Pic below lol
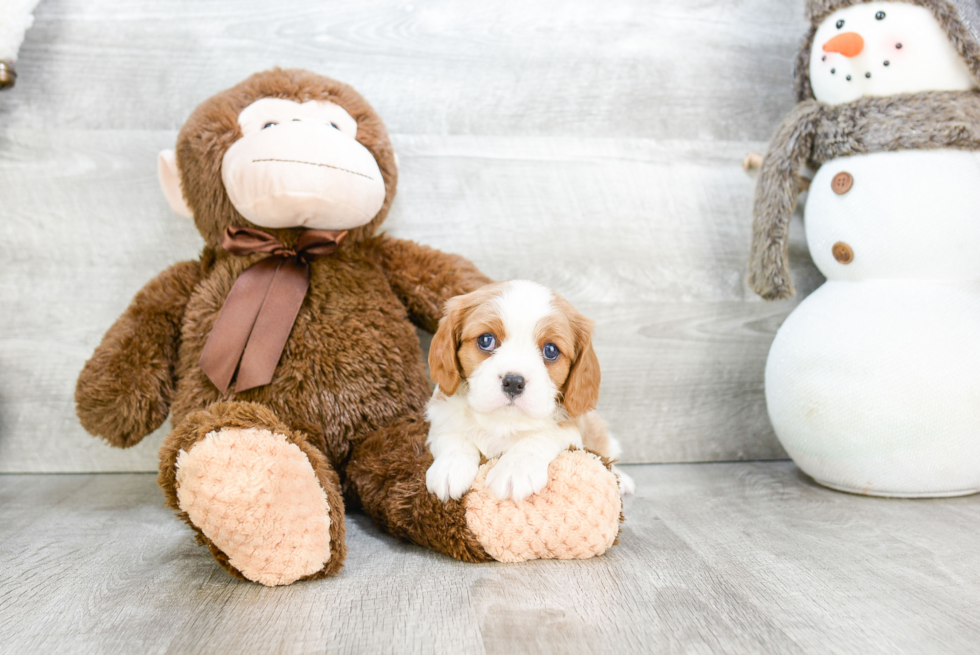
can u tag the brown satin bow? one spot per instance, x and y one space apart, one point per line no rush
258 315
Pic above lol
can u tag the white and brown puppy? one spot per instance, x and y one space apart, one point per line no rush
517 378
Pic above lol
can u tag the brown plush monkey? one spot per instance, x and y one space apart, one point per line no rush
287 357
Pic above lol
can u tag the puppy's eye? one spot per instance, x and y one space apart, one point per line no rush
550 351
334 126
486 342
880 15
269 124
840 24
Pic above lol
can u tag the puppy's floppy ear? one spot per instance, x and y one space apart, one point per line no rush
582 385
444 367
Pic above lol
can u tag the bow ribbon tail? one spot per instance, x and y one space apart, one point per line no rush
232 328
254 323
276 316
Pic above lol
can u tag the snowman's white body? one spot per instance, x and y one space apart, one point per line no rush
873 382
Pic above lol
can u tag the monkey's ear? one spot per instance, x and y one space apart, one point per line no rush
170 181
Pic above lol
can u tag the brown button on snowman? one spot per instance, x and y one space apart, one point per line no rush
873 382
842 183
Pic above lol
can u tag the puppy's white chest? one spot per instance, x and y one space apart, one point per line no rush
495 435
493 445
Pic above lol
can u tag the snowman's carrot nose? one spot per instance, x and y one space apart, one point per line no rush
849 44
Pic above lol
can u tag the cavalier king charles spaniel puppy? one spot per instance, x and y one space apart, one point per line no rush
517 379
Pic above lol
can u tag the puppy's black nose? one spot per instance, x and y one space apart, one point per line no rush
513 385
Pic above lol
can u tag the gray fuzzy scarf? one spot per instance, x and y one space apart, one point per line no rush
814 133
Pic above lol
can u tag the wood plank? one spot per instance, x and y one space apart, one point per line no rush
713 558
627 68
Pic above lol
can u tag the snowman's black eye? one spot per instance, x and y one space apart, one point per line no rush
269 124
840 24
880 15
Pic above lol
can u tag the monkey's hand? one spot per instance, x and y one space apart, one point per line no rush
425 278
124 391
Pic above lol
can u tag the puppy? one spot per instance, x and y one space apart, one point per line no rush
516 378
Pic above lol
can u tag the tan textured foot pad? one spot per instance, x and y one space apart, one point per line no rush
256 497
575 517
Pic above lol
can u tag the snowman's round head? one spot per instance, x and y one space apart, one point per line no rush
867 48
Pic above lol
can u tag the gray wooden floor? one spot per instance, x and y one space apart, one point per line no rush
714 558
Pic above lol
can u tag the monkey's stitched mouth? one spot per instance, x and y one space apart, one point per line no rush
313 163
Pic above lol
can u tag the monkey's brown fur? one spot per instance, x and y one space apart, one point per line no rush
350 385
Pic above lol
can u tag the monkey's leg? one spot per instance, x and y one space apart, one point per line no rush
262 498
575 517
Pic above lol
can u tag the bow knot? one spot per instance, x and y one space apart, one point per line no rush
253 325
311 245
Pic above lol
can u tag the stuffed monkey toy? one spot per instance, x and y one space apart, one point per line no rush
873 382
287 356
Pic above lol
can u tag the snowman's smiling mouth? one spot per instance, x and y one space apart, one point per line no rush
850 45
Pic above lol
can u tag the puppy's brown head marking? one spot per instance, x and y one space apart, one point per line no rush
456 353
580 388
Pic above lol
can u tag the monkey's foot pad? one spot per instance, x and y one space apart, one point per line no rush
255 496
576 516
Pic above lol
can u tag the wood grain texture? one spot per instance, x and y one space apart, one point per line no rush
594 148
713 558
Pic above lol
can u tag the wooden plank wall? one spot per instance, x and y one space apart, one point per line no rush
592 146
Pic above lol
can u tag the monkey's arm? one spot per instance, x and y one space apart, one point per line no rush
425 278
775 199
124 391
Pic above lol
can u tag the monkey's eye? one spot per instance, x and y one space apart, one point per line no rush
334 126
880 15
269 124
840 24
550 351
486 342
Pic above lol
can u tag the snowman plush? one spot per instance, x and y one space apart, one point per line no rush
15 19
873 382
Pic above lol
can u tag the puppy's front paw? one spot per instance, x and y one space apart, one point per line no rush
518 477
626 484
451 475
